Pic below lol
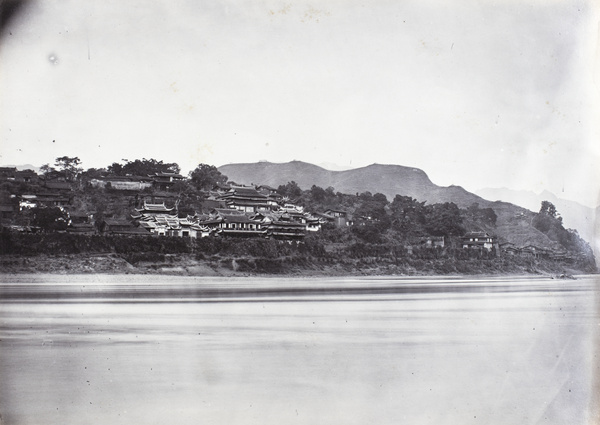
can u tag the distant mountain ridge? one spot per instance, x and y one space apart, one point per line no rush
387 179
23 167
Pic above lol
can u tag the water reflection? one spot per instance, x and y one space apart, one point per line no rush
249 351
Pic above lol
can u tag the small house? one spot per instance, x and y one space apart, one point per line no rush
165 181
532 251
6 212
479 240
340 218
121 227
432 242
509 248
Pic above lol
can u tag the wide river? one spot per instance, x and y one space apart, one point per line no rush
183 350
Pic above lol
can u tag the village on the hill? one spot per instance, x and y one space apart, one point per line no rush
226 210
151 198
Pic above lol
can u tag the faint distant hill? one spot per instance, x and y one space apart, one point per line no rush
387 179
575 215
24 167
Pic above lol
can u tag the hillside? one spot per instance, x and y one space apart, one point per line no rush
386 237
575 215
387 179
514 223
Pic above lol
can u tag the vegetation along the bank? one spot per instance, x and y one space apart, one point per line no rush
143 216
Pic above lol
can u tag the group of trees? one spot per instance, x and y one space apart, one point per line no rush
549 222
376 218
373 213
203 177
70 166
142 167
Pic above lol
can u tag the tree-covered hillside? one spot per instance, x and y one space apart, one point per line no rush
378 225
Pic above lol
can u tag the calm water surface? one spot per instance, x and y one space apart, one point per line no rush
181 350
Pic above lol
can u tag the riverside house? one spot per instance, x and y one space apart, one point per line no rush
233 222
509 248
479 240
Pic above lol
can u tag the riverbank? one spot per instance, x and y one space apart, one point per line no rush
191 265
76 254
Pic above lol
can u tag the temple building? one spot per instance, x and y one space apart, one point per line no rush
153 210
248 199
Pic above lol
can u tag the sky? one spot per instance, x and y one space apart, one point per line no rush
475 93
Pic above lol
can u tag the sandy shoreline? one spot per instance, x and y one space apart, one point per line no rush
249 279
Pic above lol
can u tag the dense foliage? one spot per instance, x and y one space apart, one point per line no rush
382 230
49 219
71 166
205 177
142 167
549 222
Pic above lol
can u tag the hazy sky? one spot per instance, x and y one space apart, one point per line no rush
475 93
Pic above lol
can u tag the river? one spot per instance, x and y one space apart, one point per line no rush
181 350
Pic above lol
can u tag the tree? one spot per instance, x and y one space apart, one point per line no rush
71 166
549 209
93 173
548 219
473 210
380 198
369 232
50 218
116 169
142 167
443 220
182 186
372 207
489 215
205 177
549 222
46 169
291 190
408 215
317 193
486 215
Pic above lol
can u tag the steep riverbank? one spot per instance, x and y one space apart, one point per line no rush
70 254
190 265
